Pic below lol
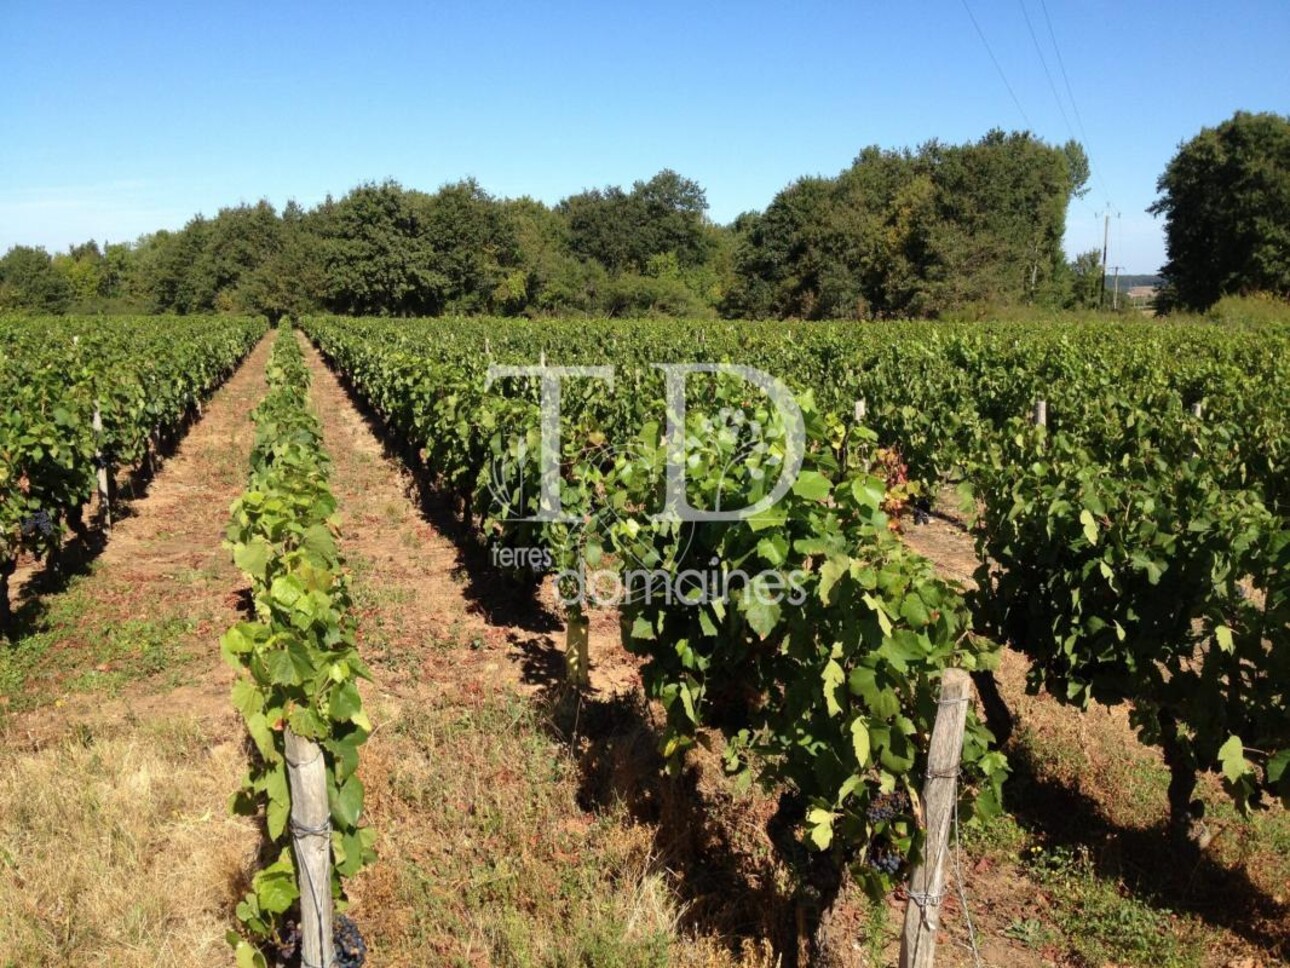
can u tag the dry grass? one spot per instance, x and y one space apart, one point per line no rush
119 850
488 857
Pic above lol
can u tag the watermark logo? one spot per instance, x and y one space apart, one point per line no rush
677 506
688 586
514 494
551 380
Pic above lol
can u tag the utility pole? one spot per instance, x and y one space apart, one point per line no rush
1115 299
1106 245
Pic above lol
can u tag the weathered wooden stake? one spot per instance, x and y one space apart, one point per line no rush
576 657
862 409
940 791
1041 413
105 500
1198 409
311 840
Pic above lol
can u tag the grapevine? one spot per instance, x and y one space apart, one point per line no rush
145 376
297 660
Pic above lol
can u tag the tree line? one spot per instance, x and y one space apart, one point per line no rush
942 229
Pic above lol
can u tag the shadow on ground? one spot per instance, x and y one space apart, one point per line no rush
1147 860
726 890
500 599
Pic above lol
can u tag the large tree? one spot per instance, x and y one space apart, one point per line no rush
241 239
474 247
28 280
624 230
903 233
1226 201
290 280
376 256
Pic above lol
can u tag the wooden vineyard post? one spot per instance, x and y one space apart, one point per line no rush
1198 409
940 793
311 840
1041 413
862 409
1040 418
105 501
576 657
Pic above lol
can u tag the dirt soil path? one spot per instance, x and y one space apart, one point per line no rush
445 598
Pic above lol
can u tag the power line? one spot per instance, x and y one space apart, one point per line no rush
1096 172
997 67
1052 85
1070 92
1043 4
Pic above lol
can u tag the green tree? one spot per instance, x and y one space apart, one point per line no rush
118 266
153 281
473 244
28 280
671 212
82 265
180 280
1002 213
290 281
376 255
238 242
604 226
1084 280
549 278
903 233
624 230
1225 197
791 261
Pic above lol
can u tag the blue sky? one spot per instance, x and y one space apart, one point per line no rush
120 119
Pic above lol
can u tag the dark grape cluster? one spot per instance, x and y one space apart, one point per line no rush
883 858
887 806
922 511
106 458
288 944
39 524
351 950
